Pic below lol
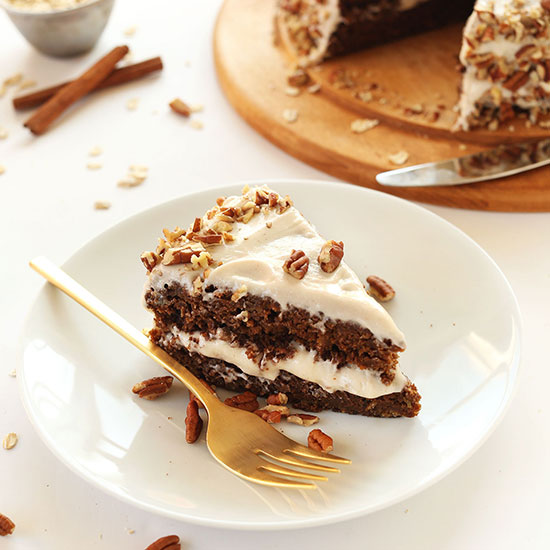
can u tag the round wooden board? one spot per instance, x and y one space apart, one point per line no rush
252 72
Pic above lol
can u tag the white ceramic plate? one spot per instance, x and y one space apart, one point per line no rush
454 305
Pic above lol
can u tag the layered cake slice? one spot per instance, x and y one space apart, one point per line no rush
251 297
506 57
320 29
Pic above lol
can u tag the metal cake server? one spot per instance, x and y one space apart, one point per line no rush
505 160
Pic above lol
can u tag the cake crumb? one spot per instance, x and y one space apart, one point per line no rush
102 205
292 91
360 125
290 115
401 157
10 441
132 104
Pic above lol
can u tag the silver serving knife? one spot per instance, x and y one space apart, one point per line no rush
505 160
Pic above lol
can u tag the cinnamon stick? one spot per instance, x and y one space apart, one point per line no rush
118 76
64 98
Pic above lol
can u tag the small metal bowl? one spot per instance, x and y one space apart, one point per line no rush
62 33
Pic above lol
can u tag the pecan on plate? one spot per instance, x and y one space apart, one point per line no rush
193 422
380 289
180 107
153 387
331 255
6 525
319 441
193 397
303 419
297 264
277 399
171 542
246 401
271 417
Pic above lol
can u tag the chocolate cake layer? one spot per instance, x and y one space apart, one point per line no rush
260 325
302 394
363 27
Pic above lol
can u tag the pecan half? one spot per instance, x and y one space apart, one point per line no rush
246 401
303 419
150 260
331 255
277 399
271 417
171 542
319 441
193 397
153 387
380 289
297 264
193 422
516 80
6 525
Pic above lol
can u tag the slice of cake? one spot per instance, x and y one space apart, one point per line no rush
251 297
506 56
320 29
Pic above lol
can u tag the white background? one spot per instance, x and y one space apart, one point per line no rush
497 499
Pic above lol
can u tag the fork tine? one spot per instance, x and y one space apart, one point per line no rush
287 459
258 476
301 450
277 469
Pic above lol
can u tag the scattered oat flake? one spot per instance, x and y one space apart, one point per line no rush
132 104
12 373
401 157
197 124
197 108
462 147
383 101
365 96
290 115
3 133
10 441
26 84
314 88
2 169
102 205
292 91
130 31
361 125
131 531
137 174
94 165
95 151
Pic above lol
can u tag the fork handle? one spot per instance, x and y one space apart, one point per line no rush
85 298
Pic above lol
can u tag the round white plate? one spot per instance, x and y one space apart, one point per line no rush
457 310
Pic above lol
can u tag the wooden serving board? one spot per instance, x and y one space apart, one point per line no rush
419 70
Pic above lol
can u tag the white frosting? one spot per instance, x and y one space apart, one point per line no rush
255 259
352 379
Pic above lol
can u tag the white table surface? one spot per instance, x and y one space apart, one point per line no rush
497 499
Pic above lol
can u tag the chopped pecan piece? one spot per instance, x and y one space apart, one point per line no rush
273 199
172 236
171 542
211 238
516 80
150 260
193 422
380 289
277 399
197 225
246 401
261 197
331 255
297 264
319 441
303 419
6 525
193 397
180 107
182 254
271 417
153 387
277 408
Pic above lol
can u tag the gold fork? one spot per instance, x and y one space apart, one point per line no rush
239 440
